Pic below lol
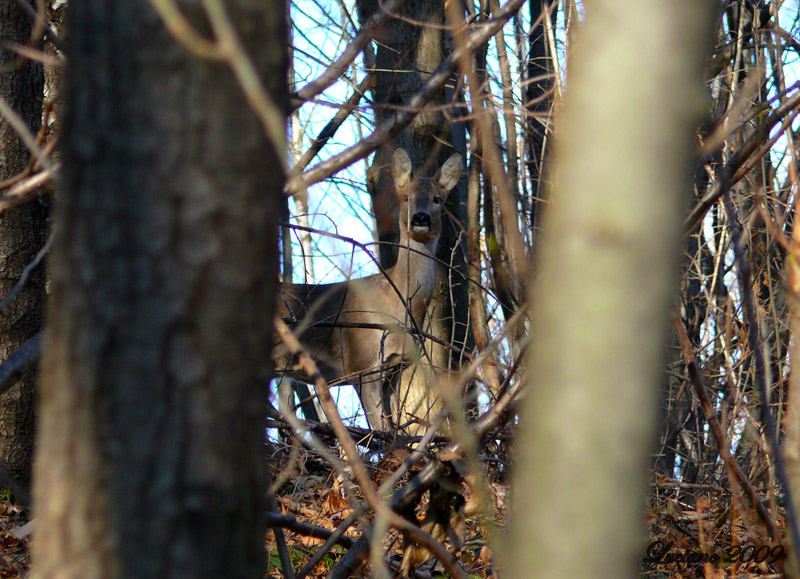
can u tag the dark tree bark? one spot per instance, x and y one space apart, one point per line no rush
154 377
22 233
537 103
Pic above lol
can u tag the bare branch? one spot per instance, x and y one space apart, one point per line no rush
183 32
13 367
270 114
733 467
759 347
390 128
38 20
26 273
339 66
333 125
24 133
357 466
22 190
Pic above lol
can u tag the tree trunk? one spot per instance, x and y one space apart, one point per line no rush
409 48
608 255
22 233
155 372
540 82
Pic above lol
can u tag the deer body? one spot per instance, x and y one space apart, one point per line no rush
326 316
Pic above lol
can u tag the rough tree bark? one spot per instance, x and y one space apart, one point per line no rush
154 377
22 234
608 259
409 48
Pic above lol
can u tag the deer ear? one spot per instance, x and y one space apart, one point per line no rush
401 167
448 175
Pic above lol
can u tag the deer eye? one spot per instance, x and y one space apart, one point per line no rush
437 200
404 198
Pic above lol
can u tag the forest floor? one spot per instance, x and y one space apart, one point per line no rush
694 530
697 530
14 558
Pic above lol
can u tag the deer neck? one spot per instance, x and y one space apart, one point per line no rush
415 270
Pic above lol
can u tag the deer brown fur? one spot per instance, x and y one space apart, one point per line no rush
326 316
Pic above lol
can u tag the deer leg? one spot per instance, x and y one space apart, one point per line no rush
371 402
376 399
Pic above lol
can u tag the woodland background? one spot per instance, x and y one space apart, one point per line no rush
163 164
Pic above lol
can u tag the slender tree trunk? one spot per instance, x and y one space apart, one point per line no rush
154 378
608 258
22 233
538 103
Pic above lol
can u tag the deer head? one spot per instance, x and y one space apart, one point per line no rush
421 199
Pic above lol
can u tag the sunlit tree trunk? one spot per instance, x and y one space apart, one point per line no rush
608 263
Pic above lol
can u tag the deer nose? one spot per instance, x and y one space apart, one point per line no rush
420 219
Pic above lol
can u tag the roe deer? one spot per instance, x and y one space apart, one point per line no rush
326 317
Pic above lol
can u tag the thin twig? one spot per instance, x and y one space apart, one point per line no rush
20 191
730 463
24 132
396 328
25 356
759 347
403 298
333 538
333 125
26 273
738 159
290 522
339 66
269 113
492 163
372 439
34 55
359 470
304 437
365 247
280 540
477 301
183 32
435 470
38 20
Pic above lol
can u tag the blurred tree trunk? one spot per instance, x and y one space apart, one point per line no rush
22 234
155 373
608 258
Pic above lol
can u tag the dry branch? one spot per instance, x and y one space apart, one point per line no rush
720 440
390 128
759 347
337 68
357 466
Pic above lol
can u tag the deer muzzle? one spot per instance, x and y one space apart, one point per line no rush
421 222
